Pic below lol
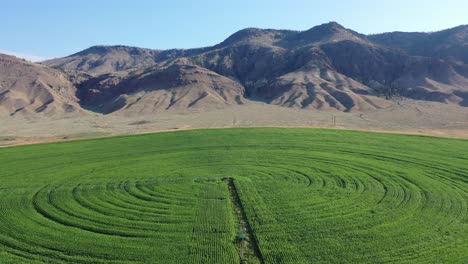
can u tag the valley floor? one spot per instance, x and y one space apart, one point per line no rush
405 116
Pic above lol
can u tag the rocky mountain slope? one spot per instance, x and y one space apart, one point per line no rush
327 67
28 88
450 44
160 88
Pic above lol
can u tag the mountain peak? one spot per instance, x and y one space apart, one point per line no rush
332 25
328 32
256 35
243 34
104 49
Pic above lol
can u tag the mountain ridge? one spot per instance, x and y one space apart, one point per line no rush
327 67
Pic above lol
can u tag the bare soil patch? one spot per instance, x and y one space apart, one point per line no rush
405 117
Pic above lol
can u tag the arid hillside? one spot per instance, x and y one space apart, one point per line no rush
327 67
28 89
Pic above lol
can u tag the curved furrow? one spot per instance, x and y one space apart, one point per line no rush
308 196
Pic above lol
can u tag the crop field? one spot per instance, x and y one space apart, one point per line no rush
246 195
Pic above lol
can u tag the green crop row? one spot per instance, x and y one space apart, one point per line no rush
308 196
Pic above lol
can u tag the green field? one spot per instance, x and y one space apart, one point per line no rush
298 195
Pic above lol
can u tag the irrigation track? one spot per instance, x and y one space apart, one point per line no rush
243 221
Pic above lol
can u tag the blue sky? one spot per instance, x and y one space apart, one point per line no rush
55 28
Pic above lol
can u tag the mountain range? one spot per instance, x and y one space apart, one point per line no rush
327 67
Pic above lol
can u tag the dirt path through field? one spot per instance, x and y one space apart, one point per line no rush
247 245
